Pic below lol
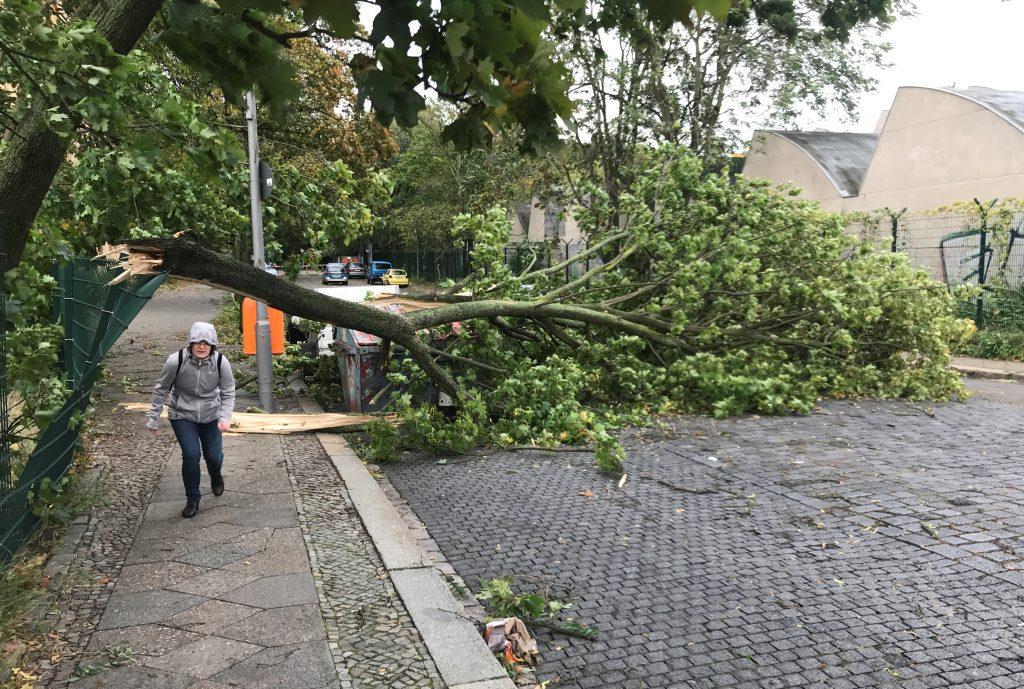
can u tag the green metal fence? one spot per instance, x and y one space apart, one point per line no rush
94 315
6 475
430 265
983 249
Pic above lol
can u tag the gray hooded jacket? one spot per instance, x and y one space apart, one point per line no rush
200 392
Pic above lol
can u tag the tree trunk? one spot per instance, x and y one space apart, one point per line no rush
189 260
35 153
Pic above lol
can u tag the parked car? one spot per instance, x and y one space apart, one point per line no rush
334 274
356 269
376 271
395 276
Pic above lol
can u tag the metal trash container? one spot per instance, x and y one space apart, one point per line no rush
360 364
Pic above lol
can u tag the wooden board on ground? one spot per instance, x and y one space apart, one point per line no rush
244 422
408 304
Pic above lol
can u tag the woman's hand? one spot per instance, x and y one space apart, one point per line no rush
223 425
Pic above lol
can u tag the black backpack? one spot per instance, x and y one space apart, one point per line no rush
181 360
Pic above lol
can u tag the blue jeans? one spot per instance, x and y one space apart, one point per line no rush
192 436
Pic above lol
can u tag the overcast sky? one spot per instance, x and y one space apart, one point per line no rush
961 42
946 43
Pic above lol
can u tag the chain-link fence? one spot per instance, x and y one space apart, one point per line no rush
983 249
94 315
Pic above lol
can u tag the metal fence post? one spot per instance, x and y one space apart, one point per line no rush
979 319
895 219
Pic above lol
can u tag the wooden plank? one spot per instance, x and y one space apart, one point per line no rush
244 422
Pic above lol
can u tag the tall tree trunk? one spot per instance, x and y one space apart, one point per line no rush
35 153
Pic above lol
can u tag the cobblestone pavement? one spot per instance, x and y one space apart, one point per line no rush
867 544
230 598
369 631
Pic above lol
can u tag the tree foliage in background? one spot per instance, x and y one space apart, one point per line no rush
637 84
434 181
62 72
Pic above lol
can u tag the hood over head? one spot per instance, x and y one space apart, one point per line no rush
202 332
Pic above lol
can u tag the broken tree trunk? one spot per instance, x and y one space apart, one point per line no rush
188 260
185 259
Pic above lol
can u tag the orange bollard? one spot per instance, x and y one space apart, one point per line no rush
276 319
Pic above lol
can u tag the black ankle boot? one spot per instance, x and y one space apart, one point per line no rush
217 484
191 509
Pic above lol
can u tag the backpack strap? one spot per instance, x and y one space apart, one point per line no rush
181 360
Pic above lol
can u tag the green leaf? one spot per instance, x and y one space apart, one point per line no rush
453 38
718 9
342 15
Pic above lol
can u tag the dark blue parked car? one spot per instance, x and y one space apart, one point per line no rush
334 274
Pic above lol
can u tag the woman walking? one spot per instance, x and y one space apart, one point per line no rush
202 397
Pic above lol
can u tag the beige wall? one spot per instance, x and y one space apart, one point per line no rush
934 148
938 147
780 160
535 231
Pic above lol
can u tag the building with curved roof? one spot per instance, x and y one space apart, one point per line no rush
934 146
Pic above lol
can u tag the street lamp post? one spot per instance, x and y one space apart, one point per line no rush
264 361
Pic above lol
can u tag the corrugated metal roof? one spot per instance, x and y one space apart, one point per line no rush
1007 104
843 156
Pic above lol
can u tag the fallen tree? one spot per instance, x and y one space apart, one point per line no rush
713 297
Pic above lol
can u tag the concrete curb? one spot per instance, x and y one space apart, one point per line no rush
990 373
456 647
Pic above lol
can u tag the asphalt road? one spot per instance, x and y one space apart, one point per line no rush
311 280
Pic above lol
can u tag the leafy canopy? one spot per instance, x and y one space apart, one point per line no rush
717 297
434 181
491 57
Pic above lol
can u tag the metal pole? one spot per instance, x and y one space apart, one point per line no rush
264 362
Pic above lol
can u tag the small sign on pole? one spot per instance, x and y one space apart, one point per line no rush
266 180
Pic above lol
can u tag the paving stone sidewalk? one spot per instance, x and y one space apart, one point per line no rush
231 599
275 584
873 544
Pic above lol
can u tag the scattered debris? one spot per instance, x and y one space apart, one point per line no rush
510 639
930 529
